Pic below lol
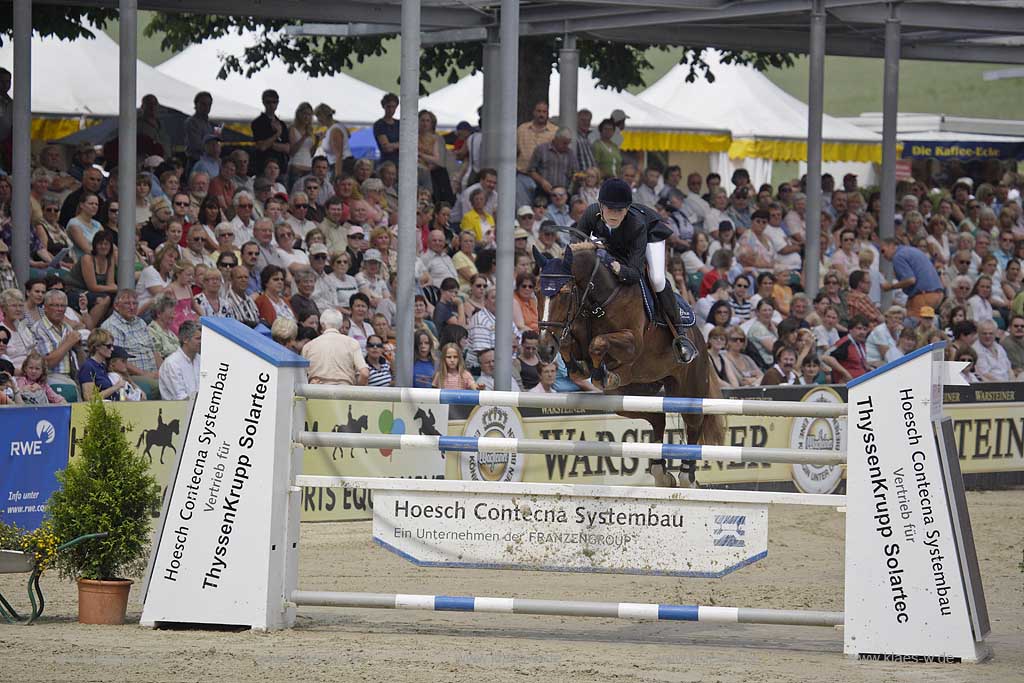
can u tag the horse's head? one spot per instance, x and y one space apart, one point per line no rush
556 284
173 426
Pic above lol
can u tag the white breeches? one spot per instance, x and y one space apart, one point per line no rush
656 265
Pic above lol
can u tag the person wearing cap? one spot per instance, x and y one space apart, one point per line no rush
324 294
269 134
547 240
209 160
530 135
635 235
553 163
618 117
526 220
882 339
370 279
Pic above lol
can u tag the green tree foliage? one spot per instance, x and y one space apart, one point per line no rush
66 23
107 487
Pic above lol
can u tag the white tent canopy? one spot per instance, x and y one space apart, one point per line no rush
745 101
80 77
356 102
466 95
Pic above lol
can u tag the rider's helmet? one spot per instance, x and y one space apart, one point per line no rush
615 194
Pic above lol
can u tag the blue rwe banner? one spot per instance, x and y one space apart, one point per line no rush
33 446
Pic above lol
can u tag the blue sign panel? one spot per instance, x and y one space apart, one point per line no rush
33 446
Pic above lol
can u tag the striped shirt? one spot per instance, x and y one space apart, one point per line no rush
242 308
133 335
741 310
48 337
380 376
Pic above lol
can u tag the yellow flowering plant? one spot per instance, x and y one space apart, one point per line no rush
41 543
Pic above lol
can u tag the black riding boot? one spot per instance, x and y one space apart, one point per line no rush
684 349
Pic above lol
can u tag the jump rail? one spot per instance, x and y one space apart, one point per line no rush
575 401
569 608
633 449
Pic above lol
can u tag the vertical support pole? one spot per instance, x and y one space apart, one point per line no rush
127 156
568 75
407 146
492 101
507 186
815 109
890 108
22 138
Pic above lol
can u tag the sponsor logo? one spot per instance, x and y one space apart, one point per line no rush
489 465
818 434
729 531
45 434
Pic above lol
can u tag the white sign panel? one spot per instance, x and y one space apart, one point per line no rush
496 530
215 556
904 591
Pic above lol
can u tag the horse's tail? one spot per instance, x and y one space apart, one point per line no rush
142 436
712 427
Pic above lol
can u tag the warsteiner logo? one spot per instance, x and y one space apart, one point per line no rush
490 465
818 434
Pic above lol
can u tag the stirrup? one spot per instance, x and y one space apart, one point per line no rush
684 349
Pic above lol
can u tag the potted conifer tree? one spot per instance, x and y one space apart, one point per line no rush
106 487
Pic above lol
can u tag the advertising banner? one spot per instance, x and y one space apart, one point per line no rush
639 534
33 447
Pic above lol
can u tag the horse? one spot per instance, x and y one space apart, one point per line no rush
162 435
598 323
353 426
427 422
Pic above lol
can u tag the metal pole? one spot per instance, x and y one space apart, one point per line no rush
21 160
815 108
126 156
407 146
890 108
568 73
492 101
507 183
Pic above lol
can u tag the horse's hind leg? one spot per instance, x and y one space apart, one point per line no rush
658 468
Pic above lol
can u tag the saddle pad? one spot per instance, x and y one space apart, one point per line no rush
686 315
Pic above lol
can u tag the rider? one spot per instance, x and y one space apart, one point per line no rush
633 233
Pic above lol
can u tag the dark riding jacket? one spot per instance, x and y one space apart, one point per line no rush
628 242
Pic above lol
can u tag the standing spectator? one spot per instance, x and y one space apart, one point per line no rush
301 143
130 331
993 362
334 145
335 358
535 132
58 344
607 155
553 164
179 373
915 275
198 126
270 135
386 130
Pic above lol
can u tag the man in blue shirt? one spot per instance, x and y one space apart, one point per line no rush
915 275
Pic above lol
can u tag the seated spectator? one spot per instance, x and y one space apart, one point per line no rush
343 284
185 307
285 332
858 300
380 370
371 281
210 301
850 351
131 332
782 371
84 226
827 333
156 279
423 360
179 373
307 313
436 263
993 363
477 220
720 315
810 371
546 376
117 371
32 387
451 372
464 261
273 302
881 342
485 381
1013 343
360 328
195 251
21 340
717 341
526 367
547 241
449 309
763 331
524 304
93 375
335 358
58 344
237 301
969 373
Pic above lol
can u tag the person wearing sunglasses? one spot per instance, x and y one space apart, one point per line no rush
380 370
53 242
92 376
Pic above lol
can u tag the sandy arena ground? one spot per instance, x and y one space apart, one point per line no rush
803 570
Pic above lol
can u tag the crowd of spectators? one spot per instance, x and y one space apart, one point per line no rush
294 233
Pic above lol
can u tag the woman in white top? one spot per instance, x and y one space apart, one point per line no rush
980 300
343 284
155 279
334 146
696 259
300 135
716 214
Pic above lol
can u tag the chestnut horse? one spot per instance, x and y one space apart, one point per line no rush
595 321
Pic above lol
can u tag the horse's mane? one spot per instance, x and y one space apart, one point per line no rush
577 247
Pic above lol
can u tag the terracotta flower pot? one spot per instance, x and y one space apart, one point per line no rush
103 602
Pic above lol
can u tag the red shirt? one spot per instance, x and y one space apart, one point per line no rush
851 356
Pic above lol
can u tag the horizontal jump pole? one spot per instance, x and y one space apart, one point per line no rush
631 449
568 608
595 491
575 401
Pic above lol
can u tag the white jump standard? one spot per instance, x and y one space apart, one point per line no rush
227 546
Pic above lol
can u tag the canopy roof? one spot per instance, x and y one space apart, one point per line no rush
649 127
72 78
765 120
356 102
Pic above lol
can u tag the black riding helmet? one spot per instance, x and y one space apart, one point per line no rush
615 194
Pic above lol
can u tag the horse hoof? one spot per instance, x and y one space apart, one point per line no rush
662 477
612 382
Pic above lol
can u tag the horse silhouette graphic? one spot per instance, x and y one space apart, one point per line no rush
353 426
427 421
162 435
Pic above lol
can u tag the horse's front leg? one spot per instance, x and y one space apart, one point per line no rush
613 354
